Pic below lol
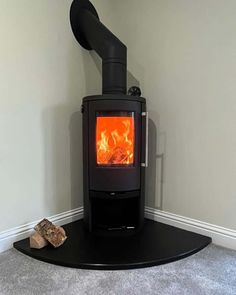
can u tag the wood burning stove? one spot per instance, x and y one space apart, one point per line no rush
114 134
114 137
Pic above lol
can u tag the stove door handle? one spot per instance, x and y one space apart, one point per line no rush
145 164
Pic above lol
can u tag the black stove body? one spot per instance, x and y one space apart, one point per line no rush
114 134
113 193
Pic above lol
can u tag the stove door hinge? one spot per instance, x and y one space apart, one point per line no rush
82 109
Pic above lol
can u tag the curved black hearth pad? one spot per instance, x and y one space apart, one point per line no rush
157 243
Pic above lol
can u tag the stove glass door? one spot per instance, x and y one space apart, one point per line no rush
115 138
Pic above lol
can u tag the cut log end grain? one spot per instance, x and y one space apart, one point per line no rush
37 241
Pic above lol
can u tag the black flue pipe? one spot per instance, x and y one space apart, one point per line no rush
92 34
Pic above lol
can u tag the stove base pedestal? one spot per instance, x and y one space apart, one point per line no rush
155 244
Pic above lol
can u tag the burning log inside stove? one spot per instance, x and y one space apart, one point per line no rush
119 155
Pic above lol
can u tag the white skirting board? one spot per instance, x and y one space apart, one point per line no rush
8 237
220 236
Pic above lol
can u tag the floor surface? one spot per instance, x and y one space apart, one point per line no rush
210 271
157 243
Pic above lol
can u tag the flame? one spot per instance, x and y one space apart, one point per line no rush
115 140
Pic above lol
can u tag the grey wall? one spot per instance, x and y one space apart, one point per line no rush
183 53
42 80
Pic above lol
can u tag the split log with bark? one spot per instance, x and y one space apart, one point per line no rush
47 232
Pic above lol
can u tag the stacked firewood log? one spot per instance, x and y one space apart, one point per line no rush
47 233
